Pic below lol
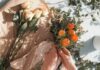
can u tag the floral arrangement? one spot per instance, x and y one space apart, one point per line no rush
65 29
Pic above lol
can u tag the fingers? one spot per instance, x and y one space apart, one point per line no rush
66 59
66 51
61 53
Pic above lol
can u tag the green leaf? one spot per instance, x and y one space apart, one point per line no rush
4 63
32 23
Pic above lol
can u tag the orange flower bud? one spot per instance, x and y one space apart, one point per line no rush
74 38
65 42
70 26
71 32
61 32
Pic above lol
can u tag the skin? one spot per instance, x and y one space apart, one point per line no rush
51 59
66 59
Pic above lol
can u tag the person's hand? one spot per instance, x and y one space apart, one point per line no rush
12 3
66 59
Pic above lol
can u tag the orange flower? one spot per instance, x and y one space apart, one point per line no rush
74 38
71 32
61 32
70 26
65 42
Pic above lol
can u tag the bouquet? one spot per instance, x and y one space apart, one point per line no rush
65 29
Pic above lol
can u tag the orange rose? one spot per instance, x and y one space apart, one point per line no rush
74 38
70 26
71 32
65 42
61 32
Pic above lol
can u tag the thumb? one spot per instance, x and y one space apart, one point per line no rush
61 54
66 51
66 59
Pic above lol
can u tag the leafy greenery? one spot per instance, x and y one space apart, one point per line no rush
60 21
4 63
